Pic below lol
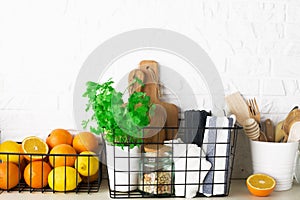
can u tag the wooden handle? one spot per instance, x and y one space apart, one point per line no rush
134 86
151 71
237 105
270 132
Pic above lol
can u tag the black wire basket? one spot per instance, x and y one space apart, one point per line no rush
177 170
83 184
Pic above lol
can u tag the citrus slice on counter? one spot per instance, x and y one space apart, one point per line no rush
35 147
260 184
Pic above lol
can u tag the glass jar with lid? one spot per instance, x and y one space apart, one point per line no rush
157 170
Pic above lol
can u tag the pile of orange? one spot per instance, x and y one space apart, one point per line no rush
42 157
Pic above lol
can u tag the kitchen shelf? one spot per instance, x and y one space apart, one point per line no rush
238 191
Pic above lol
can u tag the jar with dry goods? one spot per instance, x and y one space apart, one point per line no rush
157 170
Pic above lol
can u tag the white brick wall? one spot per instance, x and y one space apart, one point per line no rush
255 46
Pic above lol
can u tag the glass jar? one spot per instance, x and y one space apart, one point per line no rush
157 170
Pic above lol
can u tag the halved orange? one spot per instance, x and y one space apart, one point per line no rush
260 184
35 147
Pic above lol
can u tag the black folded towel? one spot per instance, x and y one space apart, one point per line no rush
195 121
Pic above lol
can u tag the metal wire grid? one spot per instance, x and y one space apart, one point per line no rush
175 130
22 186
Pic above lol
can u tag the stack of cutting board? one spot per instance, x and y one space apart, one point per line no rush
164 123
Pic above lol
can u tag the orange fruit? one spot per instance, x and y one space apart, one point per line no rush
9 175
59 136
85 141
260 184
22 166
34 145
36 174
59 155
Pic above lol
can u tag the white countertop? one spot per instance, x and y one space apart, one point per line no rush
238 191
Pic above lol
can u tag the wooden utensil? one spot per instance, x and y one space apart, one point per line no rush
269 130
251 129
150 69
238 107
263 137
254 110
293 116
279 133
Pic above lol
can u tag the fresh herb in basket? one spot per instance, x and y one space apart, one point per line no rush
121 123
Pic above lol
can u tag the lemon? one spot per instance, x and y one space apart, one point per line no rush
63 178
8 147
87 165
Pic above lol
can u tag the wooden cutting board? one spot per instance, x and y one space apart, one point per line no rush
134 86
238 106
151 72
154 132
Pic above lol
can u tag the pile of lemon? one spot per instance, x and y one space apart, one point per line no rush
61 162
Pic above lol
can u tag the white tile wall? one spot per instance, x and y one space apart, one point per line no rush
255 45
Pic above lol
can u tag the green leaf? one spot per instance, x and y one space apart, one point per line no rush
122 122
84 123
